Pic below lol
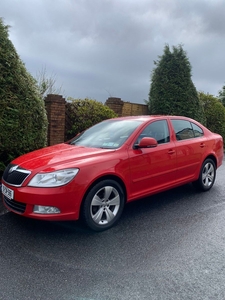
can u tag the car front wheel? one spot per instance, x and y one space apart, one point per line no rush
103 205
207 175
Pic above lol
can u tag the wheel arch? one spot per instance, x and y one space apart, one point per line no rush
211 156
110 177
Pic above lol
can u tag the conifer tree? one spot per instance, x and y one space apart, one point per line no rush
172 91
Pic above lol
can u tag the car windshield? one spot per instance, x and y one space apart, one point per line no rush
110 134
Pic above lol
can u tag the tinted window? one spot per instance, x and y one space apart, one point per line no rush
186 130
158 130
183 129
197 130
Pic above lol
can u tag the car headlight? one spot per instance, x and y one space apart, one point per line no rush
53 179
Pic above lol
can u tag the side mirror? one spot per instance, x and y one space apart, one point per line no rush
147 142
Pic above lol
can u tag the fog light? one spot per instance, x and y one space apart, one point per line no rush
39 209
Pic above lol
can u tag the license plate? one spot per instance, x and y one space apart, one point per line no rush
7 192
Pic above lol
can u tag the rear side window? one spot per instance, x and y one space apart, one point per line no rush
186 130
197 130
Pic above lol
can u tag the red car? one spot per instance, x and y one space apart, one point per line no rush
114 162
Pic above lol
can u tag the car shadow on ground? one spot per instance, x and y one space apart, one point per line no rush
135 210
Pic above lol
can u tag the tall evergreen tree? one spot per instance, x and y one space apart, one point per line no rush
23 120
172 90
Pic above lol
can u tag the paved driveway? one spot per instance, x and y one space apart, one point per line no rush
170 246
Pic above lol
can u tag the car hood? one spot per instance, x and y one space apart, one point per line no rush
53 157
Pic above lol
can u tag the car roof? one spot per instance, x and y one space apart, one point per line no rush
152 117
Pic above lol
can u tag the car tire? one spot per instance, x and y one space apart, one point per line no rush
207 176
103 205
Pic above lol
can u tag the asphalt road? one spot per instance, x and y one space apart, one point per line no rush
170 246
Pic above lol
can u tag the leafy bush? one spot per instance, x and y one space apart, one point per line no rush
214 113
23 120
83 113
172 91
222 95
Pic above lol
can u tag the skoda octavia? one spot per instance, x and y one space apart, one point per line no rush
114 162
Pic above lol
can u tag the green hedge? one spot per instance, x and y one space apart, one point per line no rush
23 120
83 113
214 113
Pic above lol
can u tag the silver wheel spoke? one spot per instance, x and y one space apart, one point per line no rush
206 181
204 175
210 170
208 174
108 191
98 216
210 177
109 214
96 201
114 201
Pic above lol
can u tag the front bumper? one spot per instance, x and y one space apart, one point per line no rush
25 198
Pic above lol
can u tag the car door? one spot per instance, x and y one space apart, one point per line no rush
153 169
191 146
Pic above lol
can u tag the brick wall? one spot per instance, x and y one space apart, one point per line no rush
134 109
116 104
55 108
126 108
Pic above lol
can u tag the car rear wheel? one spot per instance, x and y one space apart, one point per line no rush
103 205
207 175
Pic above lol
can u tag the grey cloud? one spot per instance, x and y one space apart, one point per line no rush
101 48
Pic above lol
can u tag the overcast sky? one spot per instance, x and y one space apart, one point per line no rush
103 48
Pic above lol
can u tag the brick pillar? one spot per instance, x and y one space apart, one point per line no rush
55 108
116 104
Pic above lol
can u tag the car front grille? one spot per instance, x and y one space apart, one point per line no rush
14 175
15 205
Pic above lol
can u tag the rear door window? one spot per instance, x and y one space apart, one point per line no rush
197 130
185 130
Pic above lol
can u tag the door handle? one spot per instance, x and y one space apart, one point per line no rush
171 151
202 145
